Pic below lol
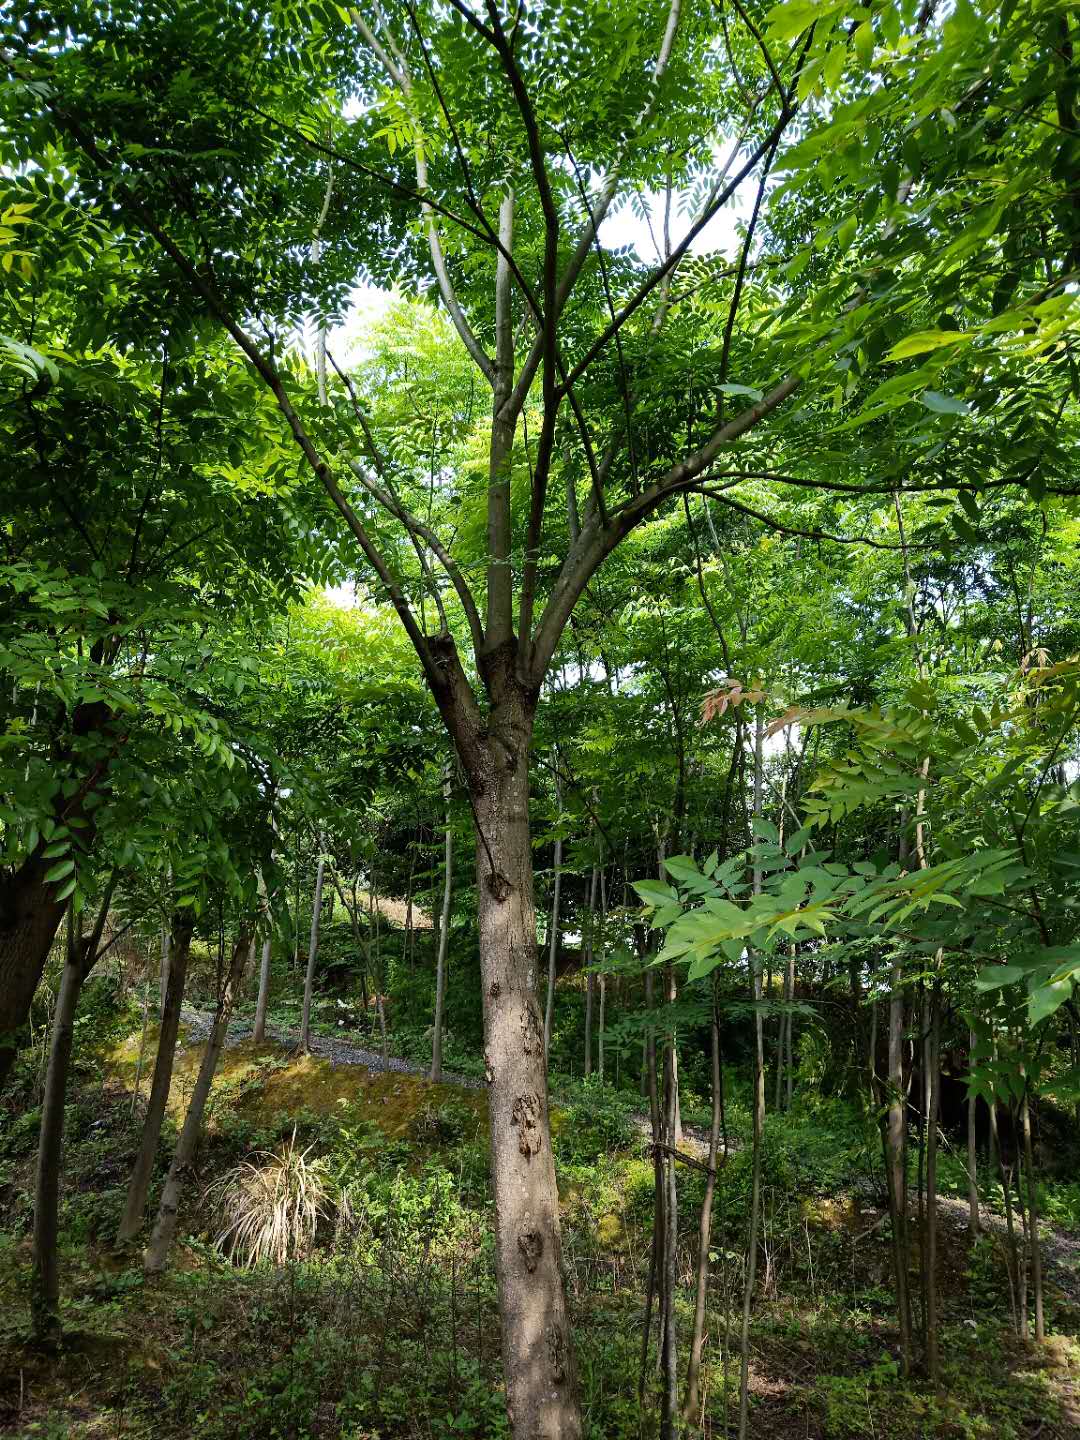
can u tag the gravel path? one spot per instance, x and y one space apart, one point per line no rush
329 1047
1060 1248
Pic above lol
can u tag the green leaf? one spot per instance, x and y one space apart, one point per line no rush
924 340
996 977
944 404
655 892
59 870
1043 1001
731 389
864 44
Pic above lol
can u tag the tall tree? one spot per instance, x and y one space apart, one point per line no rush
810 306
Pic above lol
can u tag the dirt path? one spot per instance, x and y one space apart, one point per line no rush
328 1047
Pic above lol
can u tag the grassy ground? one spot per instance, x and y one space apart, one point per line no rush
388 1326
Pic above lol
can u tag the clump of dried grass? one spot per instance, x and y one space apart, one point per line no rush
270 1207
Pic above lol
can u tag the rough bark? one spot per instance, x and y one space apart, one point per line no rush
30 912
444 937
538 1357
313 950
179 949
180 1169
30 915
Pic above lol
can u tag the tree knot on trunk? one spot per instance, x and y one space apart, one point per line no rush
489 1069
556 1353
532 1030
531 1245
526 1116
499 885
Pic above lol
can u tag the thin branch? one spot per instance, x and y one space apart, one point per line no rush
391 502
399 73
782 529
645 290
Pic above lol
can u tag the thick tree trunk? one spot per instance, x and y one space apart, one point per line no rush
179 949
45 1282
538 1355
313 950
165 1226
444 937
29 918
30 912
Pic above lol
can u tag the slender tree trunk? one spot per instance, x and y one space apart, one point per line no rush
590 979
759 1119
697 1339
80 957
972 1148
553 938
313 950
384 1039
656 1257
45 1282
789 1080
139 1184
137 1086
1012 1257
1034 1247
933 1051
180 1170
262 1003
164 980
537 1345
669 1413
444 938
602 978
1024 1250
896 1158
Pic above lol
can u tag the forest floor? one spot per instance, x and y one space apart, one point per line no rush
388 1327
